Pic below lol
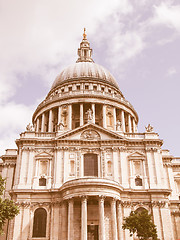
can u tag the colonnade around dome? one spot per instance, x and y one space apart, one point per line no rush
70 116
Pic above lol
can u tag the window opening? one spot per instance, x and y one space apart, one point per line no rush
90 165
138 181
39 225
42 181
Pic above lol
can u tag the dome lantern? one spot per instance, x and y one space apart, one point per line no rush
84 52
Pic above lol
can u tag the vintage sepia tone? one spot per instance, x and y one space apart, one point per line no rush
82 165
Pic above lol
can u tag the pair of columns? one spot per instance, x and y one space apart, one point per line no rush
84 219
130 122
116 222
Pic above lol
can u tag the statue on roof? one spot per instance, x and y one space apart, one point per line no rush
149 128
29 128
89 114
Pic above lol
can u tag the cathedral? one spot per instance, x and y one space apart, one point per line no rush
82 166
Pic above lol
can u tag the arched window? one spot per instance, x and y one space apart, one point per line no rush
138 181
72 167
42 181
140 209
39 225
90 165
109 119
109 167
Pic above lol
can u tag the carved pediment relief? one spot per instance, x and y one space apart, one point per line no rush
90 134
136 156
43 155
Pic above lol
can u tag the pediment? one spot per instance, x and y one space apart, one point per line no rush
43 155
136 155
90 132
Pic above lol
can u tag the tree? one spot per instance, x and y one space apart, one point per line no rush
8 209
140 222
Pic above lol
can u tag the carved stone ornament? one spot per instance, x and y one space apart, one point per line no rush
149 128
118 125
89 114
60 126
90 135
30 128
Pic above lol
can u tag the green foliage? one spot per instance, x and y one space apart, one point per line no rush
8 209
141 224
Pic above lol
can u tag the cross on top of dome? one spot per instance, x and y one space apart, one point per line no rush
84 34
85 52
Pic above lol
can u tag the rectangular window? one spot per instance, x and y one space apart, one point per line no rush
137 168
90 165
95 88
43 168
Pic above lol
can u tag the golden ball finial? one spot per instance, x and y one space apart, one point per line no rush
84 34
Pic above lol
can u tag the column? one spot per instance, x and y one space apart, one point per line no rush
59 114
81 115
123 121
157 220
115 165
31 166
70 117
104 116
129 123
94 114
171 181
127 211
134 125
152 183
49 174
101 218
50 127
114 117
119 220
146 185
37 126
43 123
113 219
84 218
64 221
70 219
166 222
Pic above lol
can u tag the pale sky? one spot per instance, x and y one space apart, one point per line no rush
138 41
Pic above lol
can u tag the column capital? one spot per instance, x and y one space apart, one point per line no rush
84 198
114 200
71 199
102 198
119 202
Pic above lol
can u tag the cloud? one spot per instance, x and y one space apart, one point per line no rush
14 119
34 34
171 71
128 45
168 15
37 40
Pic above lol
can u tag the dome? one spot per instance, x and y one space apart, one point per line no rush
85 70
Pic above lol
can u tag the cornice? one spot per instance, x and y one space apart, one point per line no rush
118 142
48 102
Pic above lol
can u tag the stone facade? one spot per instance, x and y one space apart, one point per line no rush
82 166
